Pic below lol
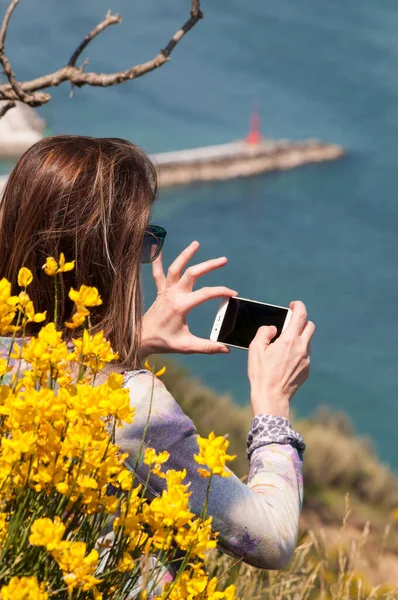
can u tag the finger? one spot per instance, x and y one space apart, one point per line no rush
297 321
176 268
208 293
192 274
203 346
308 332
264 336
158 273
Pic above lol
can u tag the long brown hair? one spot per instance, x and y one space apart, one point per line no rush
91 199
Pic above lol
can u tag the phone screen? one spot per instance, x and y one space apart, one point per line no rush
243 318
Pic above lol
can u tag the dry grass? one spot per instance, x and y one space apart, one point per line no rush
317 572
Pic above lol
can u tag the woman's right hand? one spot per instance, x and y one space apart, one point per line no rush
276 371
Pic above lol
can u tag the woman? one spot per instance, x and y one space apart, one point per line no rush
91 199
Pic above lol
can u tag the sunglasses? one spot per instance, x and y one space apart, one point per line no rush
153 243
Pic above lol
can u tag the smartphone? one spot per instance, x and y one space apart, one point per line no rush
238 320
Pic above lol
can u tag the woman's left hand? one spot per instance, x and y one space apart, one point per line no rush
164 326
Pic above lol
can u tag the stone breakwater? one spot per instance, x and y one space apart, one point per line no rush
237 159
240 159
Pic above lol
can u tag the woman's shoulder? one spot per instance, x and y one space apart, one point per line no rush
148 391
144 383
140 378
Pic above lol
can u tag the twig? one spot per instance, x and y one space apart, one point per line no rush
109 20
4 26
3 59
29 91
18 93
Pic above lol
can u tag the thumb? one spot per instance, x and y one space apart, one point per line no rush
203 346
265 335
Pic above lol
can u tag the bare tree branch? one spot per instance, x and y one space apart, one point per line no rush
196 13
4 26
109 20
29 91
3 59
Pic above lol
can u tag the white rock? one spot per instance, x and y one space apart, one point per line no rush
20 128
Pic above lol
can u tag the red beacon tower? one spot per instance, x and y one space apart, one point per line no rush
254 136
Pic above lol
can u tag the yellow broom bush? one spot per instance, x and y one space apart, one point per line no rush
74 521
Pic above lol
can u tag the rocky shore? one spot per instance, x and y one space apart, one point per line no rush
240 159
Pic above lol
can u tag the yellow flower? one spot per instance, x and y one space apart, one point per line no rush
151 458
227 594
21 442
78 569
47 353
79 318
170 511
126 563
52 267
31 316
85 296
190 586
94 351
130 516
23 588
213 455
125 479
45 532
4 368
8 308
3 526
62 488
198 536
25 277
111 504
65 266
25 305
159 373
24 300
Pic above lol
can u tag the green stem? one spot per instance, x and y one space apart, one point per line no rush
146 426
56 299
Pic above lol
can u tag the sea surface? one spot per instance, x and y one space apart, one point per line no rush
328 233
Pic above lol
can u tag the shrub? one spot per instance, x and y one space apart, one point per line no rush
74 522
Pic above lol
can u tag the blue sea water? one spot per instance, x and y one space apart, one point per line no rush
327 233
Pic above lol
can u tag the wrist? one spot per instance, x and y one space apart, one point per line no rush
147 347
150 344
268 403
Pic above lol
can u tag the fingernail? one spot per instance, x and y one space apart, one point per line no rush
224 350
